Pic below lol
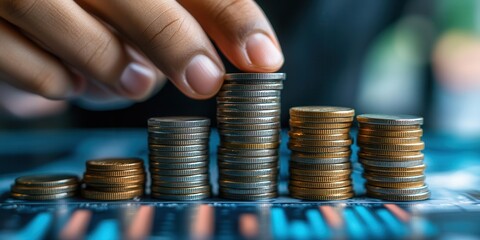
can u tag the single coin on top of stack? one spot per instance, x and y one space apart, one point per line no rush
248 116
320 161
390 153
179 160
45 187
114 179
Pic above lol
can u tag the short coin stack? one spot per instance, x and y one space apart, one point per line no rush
320 161
114 179
45 187
248 116
179 158
390 153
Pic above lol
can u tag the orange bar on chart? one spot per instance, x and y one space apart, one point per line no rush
333 218
76 227
203 227
142 223
397 211
248 225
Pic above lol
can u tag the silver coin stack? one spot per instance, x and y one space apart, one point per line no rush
179 157
248 116
390 153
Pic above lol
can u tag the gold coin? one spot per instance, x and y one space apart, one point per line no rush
185 190
418 168
389 119
392 197
419 146
43 197
316 143
378 178
386 140
302 136
393 134
115 164
333 197
308 125
319 131
337 184
47 180
308 149
320 191
22 189
396 184
345 154
318 173
249 197
322 167
88 178
321 179
322 111
403 156
250 145
388 127
321 120
122 173
393 174
397 191
121 188
111 196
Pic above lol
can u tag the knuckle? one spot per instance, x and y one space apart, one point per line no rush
226 12
17 8
96 51
167 30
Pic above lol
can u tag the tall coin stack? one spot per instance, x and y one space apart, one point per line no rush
248 116
45 187
114 179
179 158
390 153
320 160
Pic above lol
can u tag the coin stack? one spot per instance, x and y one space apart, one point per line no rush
390 153
45 187
114 179
248 116
179 157
320 160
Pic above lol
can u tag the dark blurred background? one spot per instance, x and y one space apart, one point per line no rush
404 57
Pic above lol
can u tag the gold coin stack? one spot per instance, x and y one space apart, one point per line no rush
45 187
179 160
114 179
248 116
390 153
320 160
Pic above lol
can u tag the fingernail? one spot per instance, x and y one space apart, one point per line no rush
262 52
203 75
137 80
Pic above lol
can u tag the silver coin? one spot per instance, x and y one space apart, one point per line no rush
182 136
182 197
260 93
179 121
376 178
251 87
249 160
246 166
180 184
320 160
179 159
398 191
178 172
175 191
248 127
249 120
178 142
309 149
221 100
249 197
228 152
243 114
249 191
248 107
392 164
255 76
169 148
174 165
191 178
233 184
250 133
394 120
249 179
251 173
178 130
250 139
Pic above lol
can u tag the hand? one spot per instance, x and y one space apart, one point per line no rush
120 48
